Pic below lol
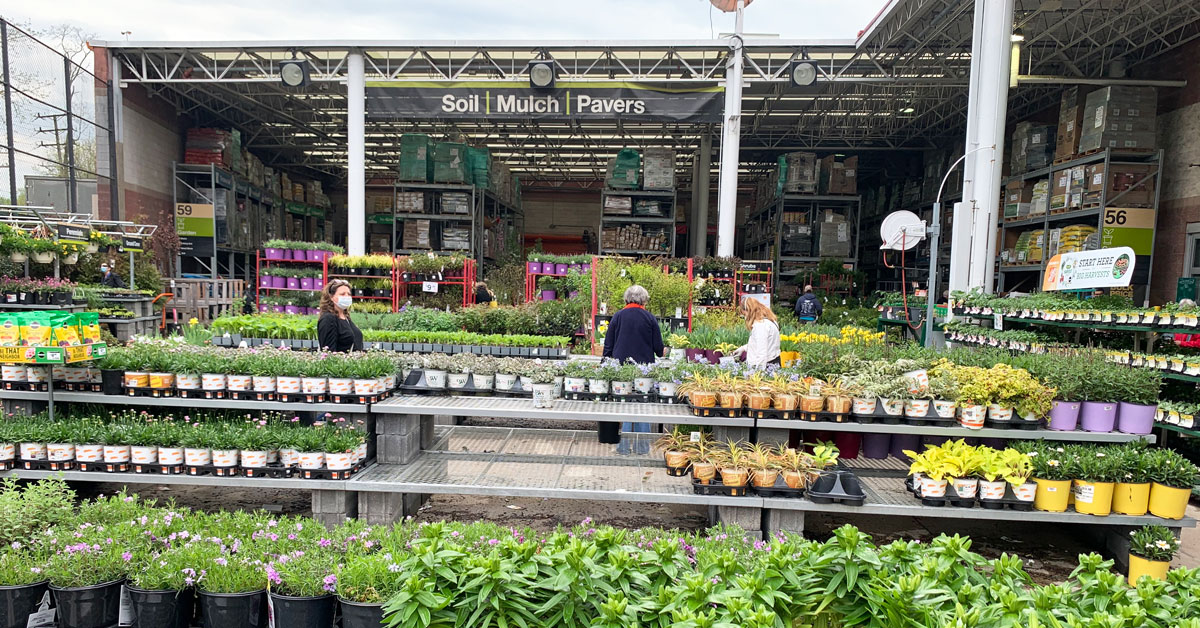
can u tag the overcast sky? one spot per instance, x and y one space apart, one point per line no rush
443 19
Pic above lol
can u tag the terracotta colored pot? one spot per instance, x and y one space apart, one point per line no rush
812 403
704 471
703 399
759 401
676 459
794 479
735 477
786 402
731 399
764 478
838 405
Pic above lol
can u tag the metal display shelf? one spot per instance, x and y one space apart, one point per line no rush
647 219
887 497
957 431
520 408
178 402
179 480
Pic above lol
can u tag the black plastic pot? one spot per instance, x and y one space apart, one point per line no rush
303 612
111 380
18 603
610 432
61 298
355 615
97 606
162 609
234 610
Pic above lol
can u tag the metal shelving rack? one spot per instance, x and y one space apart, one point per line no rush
261 262
466 280
666 222
768 223
1012 276
394 276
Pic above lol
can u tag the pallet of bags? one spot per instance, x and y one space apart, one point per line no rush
658 169
449 162
1119 117
414 157
801 173
623 170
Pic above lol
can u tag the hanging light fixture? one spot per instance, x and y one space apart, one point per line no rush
293 72
803 73
541 74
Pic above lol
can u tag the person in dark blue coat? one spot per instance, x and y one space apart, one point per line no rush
633 333
633 336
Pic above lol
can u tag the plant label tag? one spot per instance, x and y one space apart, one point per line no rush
695 437
429 286
126 611
41 619
1085 493
678 312
998 321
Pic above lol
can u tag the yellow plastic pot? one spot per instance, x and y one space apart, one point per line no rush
1052 495
1139 567
1093 498
1131 499
787 357
1167 502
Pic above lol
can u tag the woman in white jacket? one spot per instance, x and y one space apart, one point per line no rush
763 347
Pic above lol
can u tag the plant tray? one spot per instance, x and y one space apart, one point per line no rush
360 399
715 487
208 469
105 467
246 395
138 391
158 469
5 465
324 474
718 411
841 487
828 417
1012 424
299 398
781 415
269 471
632 398
930 419
77 387
209 394
27 386
190 393
781 489
46 465
669 400
678 472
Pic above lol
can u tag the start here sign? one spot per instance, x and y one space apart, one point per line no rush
1103 268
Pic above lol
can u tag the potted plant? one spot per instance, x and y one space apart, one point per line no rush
364 584
703 459
1151 549
733 465
928 471
796 467
700 390
729 388
22 584
1131 494
43 250
676 445
160 592
302 588
961 463
824 456
837 394
643 381
758 391
231 590
783 392
1138 397
85 581
483 372
1173 479
992 483
1052 474
622 379
943 388
764 465
1095 478
542 375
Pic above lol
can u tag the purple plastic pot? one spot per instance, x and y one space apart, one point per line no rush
278 282
293 283
713 356
264 282
560 269
533 268
900 442
876 446
573 294
1098 416
1135 418
574 267
587 267
278 309
848 444
273 253
549 295
291 309
695 355
306 283
1064 416
299 255
318 284
314 255
264 308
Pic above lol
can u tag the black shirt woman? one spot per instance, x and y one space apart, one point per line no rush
335 330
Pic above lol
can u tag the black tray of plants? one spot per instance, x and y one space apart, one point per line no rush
780 489
840 487
931 418
879 416
1014 423
715 411
715 487
1009 500
828 417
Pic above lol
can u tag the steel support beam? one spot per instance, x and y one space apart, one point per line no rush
356 200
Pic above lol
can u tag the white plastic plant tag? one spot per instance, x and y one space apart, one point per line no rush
622 272
695 437
429 286
678 312
125 617
1085 493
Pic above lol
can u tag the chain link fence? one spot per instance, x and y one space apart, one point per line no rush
55 139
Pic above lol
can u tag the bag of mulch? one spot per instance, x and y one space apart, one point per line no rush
36 329
10 330
65 329
89 327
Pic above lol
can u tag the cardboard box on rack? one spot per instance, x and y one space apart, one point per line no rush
1134 184
1119 117
1070 119
838 177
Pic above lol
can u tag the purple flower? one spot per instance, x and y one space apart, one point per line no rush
221 561
125 556
330 582
273 575
324 543
394 568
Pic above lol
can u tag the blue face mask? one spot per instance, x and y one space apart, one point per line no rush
104 269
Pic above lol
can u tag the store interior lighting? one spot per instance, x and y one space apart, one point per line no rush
541 75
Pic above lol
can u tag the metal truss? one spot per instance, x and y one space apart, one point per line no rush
902 85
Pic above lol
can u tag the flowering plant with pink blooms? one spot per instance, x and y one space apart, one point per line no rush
303 572
21 565
96 557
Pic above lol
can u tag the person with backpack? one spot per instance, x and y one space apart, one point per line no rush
808 306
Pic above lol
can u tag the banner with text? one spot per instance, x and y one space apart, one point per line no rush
511 100
196 226
1104 268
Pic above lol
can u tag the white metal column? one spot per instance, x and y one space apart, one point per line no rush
973 242
356 214
731 136
706 189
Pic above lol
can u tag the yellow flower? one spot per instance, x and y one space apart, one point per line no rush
193 321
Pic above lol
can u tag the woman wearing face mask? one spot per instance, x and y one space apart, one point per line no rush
335 330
